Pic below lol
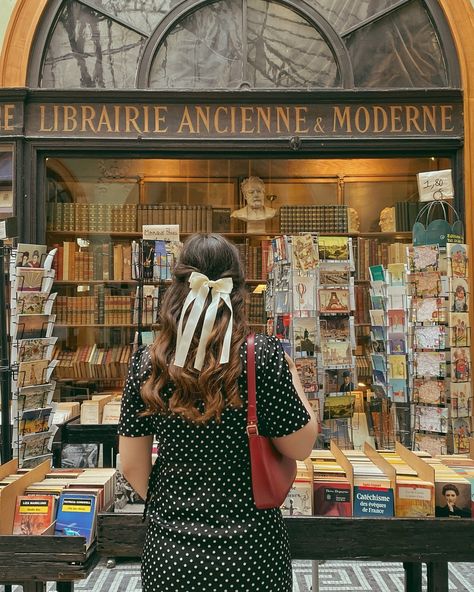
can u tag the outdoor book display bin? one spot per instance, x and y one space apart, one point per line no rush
32 561
413 541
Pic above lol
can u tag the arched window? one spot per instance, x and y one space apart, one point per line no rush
243 44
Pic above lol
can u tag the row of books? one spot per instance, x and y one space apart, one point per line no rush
93 362
63 502
382 484
96 261
101 309
102 217
372 251
255 309
313 218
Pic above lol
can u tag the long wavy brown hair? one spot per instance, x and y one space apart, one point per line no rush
199 395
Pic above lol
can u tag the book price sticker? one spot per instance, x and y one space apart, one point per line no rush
435 185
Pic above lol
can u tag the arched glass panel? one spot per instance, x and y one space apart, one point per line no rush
400 50
344 14
285 50
203 51
89 50
280 50
144 15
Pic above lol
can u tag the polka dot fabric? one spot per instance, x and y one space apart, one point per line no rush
205 533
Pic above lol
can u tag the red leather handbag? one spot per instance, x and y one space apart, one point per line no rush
272 472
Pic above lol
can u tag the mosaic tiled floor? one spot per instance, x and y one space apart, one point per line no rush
334 576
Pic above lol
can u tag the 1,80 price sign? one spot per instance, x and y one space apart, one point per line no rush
435 185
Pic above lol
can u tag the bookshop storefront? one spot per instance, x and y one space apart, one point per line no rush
127 117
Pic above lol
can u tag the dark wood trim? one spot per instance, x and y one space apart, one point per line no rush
44 95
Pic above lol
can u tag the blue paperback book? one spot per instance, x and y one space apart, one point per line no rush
76 515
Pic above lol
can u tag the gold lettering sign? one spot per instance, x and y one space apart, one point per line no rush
220 121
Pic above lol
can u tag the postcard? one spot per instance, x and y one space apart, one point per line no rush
378 332
377 273
32 373
377 302
429 337
280 249
458 260
35 397
396 297
334 273
334 328
35 444
429 364
32 326
339 406
377 318
425 285
308 373
423 258
282 326
397 343
431 392
333 248
336 353
459 295
379 362
434 444
333 300
461 427
304 332
460 364
33 303
305 254
304 292
282 274
32 280
431 419
459 329
29 350
461 399
399 390
35 421
282 302
396 274
429 310
31 256
396 320
397 366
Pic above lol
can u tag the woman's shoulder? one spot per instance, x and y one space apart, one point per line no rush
267 346
141 362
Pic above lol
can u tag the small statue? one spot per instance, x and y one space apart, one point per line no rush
387 220
255 212
353 222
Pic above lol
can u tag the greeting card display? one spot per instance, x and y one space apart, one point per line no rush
31 327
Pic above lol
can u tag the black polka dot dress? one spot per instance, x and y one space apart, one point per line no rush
205 533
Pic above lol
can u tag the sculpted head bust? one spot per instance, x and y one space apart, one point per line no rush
253 191
387 220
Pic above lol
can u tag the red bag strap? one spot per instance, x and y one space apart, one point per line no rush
252 428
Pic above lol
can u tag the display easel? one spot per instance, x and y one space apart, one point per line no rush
8 229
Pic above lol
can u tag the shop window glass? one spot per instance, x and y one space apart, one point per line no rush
343 14
89 50
144 15
400 50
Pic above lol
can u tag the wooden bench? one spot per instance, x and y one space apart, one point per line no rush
434 541
31 562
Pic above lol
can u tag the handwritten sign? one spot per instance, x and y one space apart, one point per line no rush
435 185
165 232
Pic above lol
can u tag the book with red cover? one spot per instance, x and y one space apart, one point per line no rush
33 514
332 498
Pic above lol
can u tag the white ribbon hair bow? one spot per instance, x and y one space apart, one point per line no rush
200 286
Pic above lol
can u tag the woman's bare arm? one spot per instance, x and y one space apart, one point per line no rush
135 461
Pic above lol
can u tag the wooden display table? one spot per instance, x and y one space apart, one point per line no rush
433 541
31 562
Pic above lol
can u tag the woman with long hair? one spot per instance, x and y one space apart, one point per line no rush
189 390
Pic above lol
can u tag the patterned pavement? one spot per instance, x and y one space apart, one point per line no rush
334 576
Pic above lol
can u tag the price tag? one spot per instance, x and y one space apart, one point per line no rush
435 185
